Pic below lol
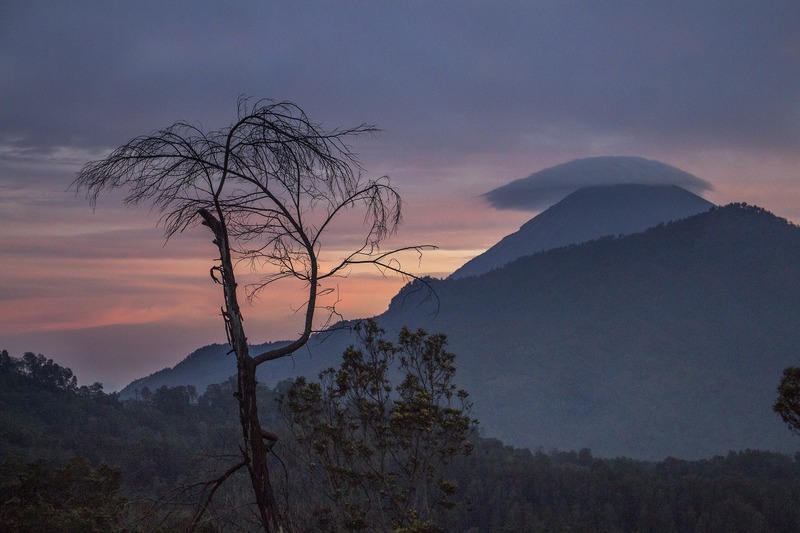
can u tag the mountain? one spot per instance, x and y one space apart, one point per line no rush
590 213
203 367
214 364
669 342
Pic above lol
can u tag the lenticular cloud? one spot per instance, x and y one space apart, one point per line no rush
546 187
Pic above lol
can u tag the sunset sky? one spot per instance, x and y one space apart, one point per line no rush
469 95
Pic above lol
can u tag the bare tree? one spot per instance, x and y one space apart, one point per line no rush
268 187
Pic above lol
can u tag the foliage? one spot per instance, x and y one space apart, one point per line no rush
788 403
374 451
514 490
173 400
46 373
163 458
37 497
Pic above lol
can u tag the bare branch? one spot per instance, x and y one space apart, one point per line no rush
212 487
268 187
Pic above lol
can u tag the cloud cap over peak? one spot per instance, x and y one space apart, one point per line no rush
546 187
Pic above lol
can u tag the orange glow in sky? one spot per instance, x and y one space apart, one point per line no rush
469 97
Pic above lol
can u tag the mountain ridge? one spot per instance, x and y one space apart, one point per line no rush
669 342
595 343
587 214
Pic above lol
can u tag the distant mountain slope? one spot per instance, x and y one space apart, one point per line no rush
203 367
669 342
214 364
586 214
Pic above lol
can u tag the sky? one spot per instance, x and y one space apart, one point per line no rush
469 96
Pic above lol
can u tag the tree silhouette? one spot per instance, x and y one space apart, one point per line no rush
268 187
373 437
788 403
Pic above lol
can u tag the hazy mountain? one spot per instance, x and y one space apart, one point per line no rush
667 342
587 214
203 367
214 363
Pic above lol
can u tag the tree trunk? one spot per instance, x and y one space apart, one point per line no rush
255 450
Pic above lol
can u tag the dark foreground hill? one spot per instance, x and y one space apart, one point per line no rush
670 342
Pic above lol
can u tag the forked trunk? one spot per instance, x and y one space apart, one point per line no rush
255 449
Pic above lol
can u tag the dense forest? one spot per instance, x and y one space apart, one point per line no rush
79 459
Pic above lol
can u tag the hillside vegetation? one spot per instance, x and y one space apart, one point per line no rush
79 458
669 342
